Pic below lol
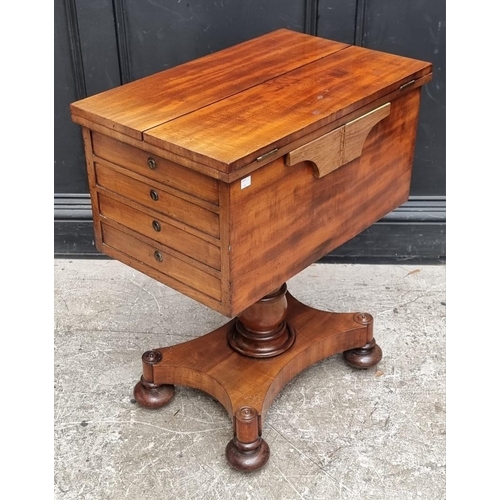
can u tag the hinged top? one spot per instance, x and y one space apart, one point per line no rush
228 109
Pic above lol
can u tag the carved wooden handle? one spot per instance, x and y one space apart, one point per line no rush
340 146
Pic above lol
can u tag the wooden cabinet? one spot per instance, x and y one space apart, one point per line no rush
104 44
224 177
254 161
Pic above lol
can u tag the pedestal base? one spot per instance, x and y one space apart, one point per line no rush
246 386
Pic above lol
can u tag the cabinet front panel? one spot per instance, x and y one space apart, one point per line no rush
156 168
159 229
158 200
156 257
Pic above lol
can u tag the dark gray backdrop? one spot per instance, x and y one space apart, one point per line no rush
100 44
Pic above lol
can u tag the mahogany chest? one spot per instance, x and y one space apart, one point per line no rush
225 176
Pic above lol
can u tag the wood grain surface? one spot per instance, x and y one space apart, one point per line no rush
165 171
288 218
148 102
209 364
232 132
159 228
192 160
169 265
227 109
165 202
340 146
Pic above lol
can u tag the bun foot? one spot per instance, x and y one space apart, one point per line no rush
364 357
247 457
247 451
151 395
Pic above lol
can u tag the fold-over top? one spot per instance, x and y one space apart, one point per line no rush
228 108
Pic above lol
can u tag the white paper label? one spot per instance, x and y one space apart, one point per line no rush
246 182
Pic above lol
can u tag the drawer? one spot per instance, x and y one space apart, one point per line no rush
156 168
158 200
155 257
158 228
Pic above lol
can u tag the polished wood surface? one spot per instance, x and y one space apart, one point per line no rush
160 258
340 146
277 112
249 384
358 139
91 176
224 177
159 228
155 198
167 172
364 357
209 364
261 331
288 218
148 102
247 451
195 293
178 112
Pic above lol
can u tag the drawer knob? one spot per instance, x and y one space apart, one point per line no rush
151 163
156 226
158 256
154 195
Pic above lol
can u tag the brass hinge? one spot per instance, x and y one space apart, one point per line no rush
265 155
407 84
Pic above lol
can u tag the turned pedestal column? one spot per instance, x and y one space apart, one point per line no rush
245 363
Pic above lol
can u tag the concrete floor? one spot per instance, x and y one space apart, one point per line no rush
334 432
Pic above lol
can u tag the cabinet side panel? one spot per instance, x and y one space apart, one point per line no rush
87 142
225 248
287 219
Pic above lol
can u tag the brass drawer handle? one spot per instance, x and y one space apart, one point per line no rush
151 163
154 195
156 226
158 256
